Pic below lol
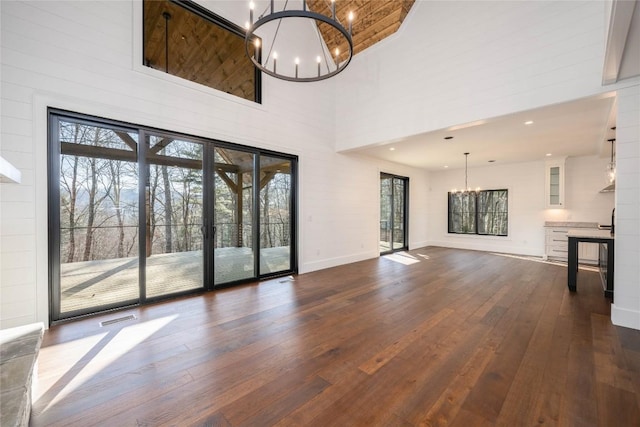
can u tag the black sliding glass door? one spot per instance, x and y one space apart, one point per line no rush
394 199
139 214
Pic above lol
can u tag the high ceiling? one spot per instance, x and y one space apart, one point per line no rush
576 128
182 43
373 22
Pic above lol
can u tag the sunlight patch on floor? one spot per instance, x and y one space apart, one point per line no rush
402 258
101 350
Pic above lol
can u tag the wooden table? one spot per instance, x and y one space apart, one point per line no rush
593 236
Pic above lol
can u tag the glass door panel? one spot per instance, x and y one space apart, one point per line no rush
393 209
98 217
398 213
174 216
386 216
275 214
233 254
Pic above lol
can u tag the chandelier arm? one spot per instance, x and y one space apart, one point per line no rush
275 35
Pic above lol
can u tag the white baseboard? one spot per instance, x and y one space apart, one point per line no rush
308 267
625 317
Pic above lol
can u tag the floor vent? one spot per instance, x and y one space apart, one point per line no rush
117 320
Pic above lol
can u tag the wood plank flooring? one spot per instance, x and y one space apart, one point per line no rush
431 337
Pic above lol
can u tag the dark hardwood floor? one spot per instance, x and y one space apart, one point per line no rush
447 337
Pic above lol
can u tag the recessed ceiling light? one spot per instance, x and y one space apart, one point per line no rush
548 154
446 166
448 137
528 122
392 149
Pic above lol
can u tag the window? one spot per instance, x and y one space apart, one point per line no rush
186 40
483 212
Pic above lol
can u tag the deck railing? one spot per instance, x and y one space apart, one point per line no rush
106 242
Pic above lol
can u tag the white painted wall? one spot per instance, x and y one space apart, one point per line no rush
455 62
82 56
626 308
584 177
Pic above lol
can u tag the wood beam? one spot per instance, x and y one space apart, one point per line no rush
126 138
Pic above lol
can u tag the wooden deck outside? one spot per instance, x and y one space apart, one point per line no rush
91 284
433 336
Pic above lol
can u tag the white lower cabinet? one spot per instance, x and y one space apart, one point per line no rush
557 245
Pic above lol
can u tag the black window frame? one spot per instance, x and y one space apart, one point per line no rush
475 196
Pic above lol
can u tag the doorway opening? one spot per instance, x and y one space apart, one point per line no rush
394 203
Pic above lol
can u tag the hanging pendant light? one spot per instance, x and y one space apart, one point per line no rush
466 188
611 167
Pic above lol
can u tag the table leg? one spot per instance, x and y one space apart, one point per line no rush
572 264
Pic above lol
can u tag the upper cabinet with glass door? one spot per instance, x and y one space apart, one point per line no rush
554 184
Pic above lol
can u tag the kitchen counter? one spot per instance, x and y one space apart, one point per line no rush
571 224
590 235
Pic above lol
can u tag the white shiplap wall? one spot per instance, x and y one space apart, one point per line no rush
455 62
82 56
625 310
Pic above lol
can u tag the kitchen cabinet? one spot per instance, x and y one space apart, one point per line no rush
554 184
557 243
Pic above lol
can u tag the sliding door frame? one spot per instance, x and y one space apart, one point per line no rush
208 163
405 212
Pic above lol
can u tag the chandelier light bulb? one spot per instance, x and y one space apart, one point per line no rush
275 55
297 60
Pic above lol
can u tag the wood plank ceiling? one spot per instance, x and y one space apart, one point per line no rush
190 47
374 20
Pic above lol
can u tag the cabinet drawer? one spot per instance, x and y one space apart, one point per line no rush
558 252
557 239
562 232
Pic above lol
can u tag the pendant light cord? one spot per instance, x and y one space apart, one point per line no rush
612 142
466 173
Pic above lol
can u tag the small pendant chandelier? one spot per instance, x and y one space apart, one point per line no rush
611 167
466 188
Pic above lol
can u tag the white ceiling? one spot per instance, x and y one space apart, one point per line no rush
577 128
